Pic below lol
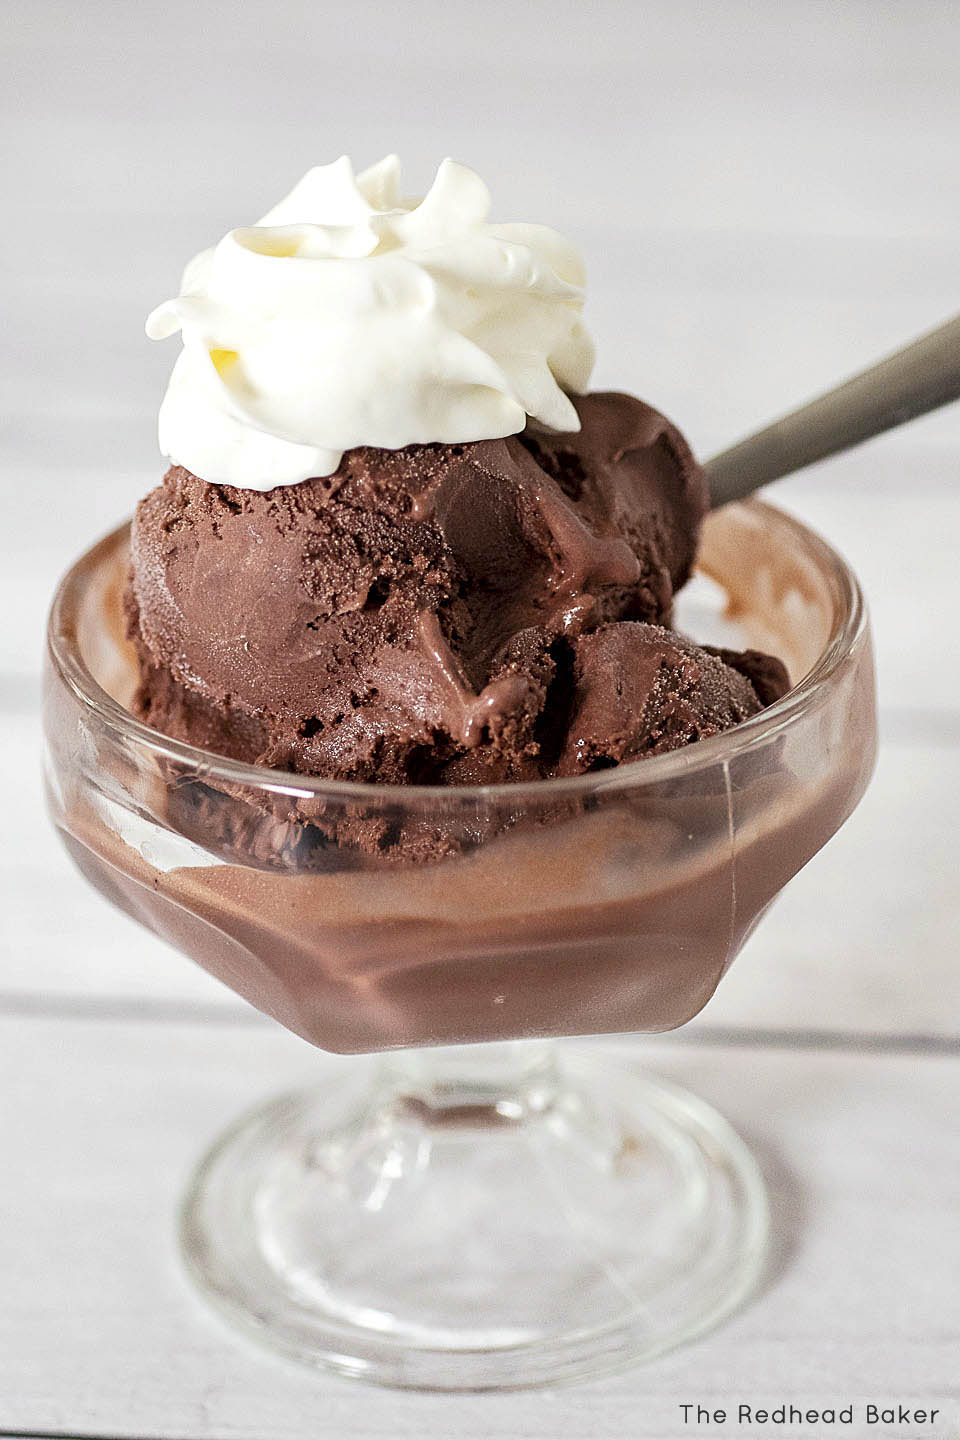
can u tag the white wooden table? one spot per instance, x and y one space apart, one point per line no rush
767 197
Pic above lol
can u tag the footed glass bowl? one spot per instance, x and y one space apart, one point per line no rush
475 1217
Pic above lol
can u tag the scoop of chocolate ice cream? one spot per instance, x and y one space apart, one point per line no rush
414 617
766 673
643 690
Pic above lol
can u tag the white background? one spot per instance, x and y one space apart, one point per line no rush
767 196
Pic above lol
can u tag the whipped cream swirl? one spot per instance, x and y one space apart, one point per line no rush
349 316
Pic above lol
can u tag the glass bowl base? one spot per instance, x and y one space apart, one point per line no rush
446 1225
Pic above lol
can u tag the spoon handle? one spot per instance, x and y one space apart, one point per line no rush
921 377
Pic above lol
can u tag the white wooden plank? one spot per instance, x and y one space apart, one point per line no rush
801 119
99 1331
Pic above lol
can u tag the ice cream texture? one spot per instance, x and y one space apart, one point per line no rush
440 614
398 543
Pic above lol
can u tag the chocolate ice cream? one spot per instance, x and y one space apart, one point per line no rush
643 690
437 614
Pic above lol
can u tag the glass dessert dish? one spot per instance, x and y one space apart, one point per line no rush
460 1215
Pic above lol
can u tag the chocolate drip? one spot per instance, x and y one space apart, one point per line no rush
574 615
466 714
581 556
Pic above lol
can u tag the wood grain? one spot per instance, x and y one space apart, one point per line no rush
106 1336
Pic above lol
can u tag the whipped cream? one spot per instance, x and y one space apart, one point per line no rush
349 316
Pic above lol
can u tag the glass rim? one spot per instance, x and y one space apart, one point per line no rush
848 630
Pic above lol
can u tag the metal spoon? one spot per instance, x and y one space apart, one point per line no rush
921 377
